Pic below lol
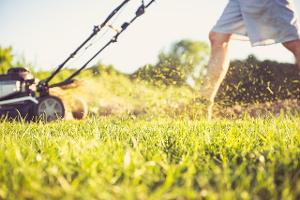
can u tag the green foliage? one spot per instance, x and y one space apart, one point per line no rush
101 68
252 80
92 72
174 67
158 158
6 59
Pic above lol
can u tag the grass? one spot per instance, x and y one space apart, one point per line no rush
151 158
146 142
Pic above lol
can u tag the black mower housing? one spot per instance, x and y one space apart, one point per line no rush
22 109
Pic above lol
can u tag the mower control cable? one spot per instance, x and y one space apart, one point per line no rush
140 11
96 30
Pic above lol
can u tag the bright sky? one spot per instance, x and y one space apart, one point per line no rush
46 32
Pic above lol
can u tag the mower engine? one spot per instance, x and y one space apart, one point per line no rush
16 83
17 99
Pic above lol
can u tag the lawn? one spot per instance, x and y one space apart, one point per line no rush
148 157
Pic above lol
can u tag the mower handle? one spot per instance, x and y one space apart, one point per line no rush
140 11
96 30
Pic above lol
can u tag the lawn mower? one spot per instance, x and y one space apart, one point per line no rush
23 97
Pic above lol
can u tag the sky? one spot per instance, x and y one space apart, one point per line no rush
45 32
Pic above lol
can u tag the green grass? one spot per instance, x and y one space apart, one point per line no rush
151 158
150 142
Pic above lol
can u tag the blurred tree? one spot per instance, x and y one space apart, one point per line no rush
101 68
184 60
186 54
6 59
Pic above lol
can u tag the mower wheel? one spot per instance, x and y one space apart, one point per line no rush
49 109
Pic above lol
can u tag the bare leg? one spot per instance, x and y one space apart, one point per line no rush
294 47
217 67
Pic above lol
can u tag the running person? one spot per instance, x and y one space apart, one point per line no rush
263 22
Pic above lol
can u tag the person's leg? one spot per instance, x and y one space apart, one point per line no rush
294 47
217 68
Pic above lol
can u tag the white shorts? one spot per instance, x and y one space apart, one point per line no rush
263 22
